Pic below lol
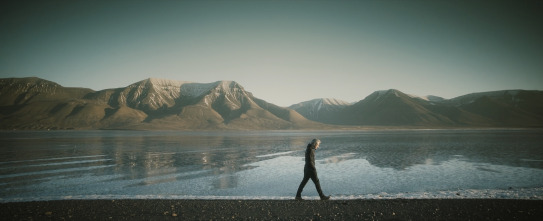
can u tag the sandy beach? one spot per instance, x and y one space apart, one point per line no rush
156 209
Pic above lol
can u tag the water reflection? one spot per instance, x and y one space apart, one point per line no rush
403 149
175 156
117 162
146 159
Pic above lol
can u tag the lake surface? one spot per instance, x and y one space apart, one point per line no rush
46 165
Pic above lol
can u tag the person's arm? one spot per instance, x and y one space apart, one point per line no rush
312 158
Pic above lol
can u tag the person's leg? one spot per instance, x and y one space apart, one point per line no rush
302 185
317 183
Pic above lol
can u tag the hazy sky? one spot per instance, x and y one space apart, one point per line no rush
284 52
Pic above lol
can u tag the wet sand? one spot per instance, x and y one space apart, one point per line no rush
156 209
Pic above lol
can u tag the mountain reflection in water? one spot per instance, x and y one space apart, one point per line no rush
262 163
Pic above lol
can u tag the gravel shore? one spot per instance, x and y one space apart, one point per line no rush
156 209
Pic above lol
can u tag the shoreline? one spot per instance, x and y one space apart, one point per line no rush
365 209
527 193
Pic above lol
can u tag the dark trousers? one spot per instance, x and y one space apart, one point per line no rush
309 174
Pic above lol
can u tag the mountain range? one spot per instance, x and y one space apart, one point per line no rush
507 108
160 104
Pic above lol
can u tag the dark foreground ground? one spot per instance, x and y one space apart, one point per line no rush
399 209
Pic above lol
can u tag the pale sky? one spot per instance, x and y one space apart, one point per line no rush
284 52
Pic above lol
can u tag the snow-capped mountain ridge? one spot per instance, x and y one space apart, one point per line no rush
164 82
430 98
148 104
155 93
317 108
220 101
319 103
470 98
393 107
333 101
150 93
228 94
187 88
377 95
33 103
394 92
383 92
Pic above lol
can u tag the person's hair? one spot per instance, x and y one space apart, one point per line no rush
315 142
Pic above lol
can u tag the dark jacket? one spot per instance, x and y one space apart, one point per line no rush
310 158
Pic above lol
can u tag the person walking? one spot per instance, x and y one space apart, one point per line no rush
310 171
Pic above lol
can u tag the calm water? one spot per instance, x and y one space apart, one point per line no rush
269 165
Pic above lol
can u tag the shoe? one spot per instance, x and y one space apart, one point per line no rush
325 197
298 198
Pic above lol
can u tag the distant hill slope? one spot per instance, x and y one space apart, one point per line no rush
392 107
32 103
509 108
323 110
